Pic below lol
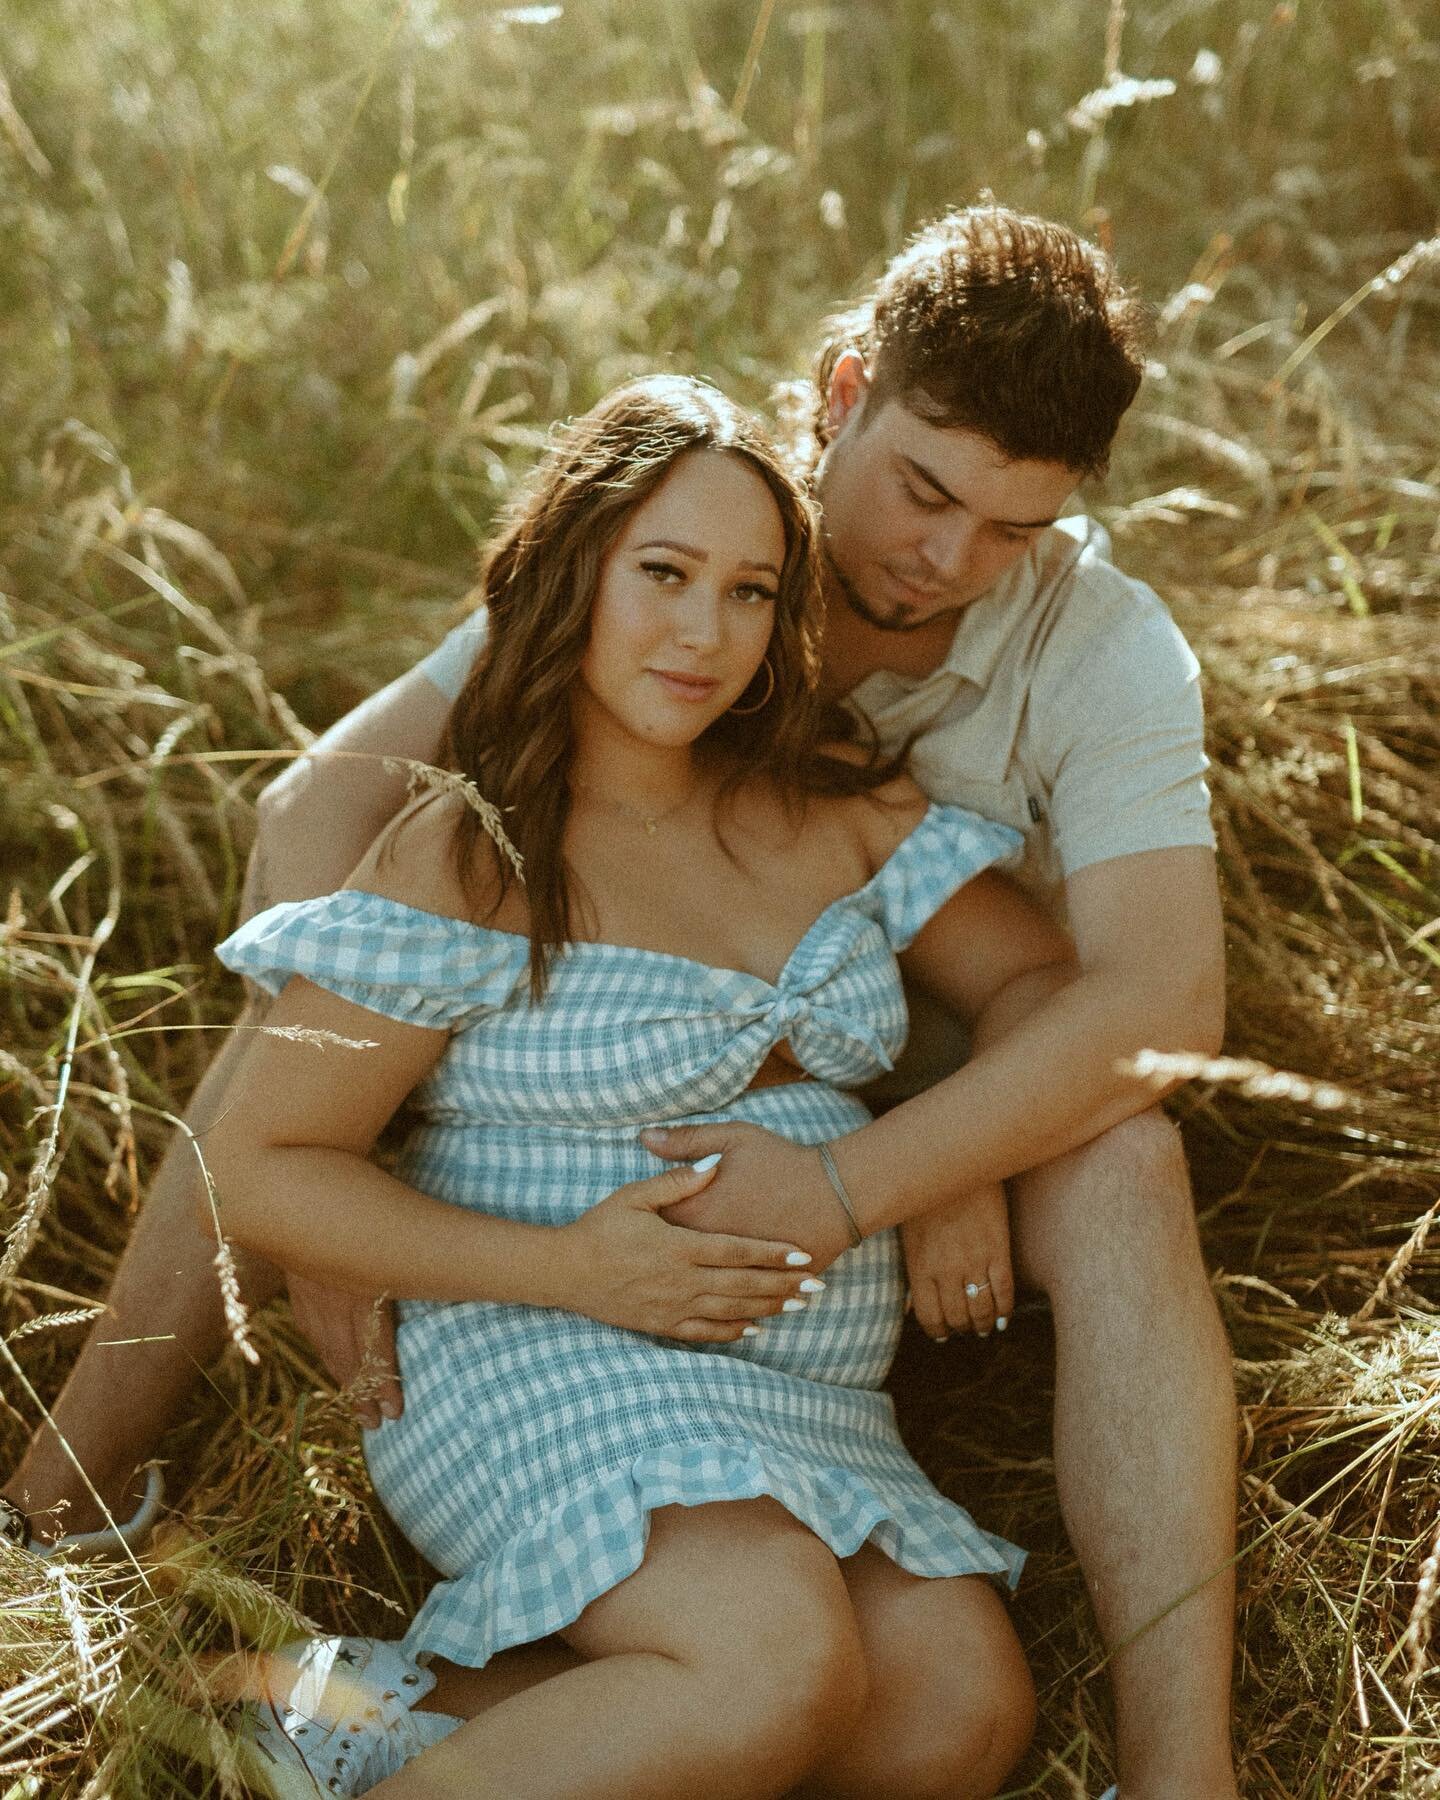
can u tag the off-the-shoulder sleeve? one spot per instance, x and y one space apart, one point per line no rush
418 967
945 850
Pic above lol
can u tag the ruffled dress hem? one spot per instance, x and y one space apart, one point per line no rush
597 1536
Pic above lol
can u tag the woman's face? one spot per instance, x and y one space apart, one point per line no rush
685 604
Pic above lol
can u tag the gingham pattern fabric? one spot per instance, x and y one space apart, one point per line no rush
535 1443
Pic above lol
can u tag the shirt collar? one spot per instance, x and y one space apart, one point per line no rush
987 624
981 631
980 634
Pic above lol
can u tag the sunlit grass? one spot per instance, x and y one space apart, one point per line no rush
289 294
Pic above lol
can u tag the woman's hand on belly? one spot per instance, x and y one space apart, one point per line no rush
624 1264
765 1186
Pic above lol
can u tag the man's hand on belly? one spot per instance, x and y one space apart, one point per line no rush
766 1186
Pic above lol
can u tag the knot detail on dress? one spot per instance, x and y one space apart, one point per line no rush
792 1009
816 1031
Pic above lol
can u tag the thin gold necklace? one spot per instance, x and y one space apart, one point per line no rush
651 821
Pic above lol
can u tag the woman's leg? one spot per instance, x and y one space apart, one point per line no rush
951 1704
728 1665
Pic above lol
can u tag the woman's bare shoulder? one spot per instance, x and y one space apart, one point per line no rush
413 861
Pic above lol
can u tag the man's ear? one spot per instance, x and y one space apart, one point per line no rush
849 384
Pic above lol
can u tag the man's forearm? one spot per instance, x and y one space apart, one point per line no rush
1045 1080
312 832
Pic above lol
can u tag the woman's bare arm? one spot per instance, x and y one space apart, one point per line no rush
290 1159
313 824
290 1164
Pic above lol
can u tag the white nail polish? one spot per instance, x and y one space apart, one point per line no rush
706 1162
1000 1324
797 1259
794 1306
811 1286
751 1331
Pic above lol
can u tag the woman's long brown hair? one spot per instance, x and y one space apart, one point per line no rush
509 730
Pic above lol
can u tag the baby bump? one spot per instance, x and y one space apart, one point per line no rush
501 1401
849 1334
846 1336
550 1175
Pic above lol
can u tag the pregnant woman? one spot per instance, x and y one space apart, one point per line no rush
742 1583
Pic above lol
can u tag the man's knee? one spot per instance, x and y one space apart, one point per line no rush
1123 1199
212 1098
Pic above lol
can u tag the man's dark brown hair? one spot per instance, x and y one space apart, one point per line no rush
1004 324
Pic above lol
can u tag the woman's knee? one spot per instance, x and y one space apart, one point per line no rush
954 1705
754 1607
792 1670
801 1692
983 1732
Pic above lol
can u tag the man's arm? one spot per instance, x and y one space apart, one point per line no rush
1150 953
1148 975
1148 928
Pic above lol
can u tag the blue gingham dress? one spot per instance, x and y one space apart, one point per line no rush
535 1443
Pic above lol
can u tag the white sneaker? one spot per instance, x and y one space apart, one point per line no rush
347 1723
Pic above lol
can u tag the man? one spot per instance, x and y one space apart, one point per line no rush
959 406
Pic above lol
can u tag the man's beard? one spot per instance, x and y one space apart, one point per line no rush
899 617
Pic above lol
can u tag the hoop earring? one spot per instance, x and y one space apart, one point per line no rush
743 712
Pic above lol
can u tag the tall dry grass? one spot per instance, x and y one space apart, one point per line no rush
289 294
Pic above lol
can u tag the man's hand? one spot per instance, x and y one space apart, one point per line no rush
356 1342
766 1187
963 1244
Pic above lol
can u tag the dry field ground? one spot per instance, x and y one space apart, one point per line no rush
287 296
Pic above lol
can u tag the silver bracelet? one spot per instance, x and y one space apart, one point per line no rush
828 1163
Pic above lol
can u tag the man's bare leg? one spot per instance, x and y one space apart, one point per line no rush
162 1324
314 823
1144 1443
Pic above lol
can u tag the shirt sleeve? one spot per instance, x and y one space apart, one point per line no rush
417 967
1122 748
449 664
